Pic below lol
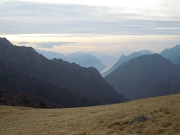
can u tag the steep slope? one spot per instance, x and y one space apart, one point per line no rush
172 54
86 60
137 75
65 84
123 59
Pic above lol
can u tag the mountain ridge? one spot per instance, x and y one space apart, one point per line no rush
86 60
124 58
63 83
136 75
83 59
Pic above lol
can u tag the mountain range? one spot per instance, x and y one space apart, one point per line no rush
28 78
86 60
83 59
146 76
53 83
124 58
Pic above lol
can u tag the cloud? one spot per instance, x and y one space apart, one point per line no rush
44 44
18 17
51 44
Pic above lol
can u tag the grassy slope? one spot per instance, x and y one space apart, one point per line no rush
163 113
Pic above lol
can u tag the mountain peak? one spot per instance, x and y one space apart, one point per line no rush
145 52
172 54
4 40
135 76
86 60
5 44
177 46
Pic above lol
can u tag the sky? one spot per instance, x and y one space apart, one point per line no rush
100 26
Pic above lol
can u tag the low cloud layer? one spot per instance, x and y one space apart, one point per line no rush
51 44
45 44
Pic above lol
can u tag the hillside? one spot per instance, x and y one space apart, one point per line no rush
25 71
162 87
162 112
138 76
124 58
172 54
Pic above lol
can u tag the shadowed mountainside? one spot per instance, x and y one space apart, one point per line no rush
20 98
68 85
162 87
139 74
123 59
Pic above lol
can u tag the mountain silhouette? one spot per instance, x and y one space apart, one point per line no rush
86 60
136 76
61 83
124 58
83 59
172 54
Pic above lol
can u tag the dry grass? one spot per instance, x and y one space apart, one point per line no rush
163 113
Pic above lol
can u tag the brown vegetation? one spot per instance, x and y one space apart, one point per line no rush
163 113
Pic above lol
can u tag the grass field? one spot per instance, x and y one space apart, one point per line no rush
163 113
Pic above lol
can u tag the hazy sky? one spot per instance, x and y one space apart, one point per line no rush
91 25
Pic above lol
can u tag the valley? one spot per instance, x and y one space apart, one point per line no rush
89 67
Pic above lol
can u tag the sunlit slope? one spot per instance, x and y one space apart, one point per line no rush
163 113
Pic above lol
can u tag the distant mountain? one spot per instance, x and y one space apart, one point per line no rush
172 54
83 59
145 52
51 55
140 75
56 82
123 59
86 60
